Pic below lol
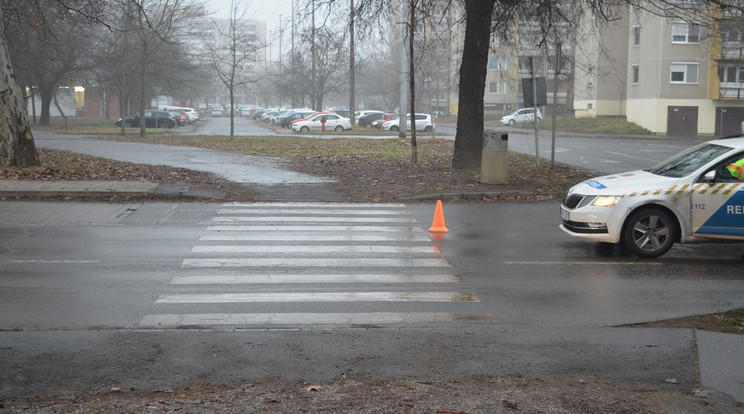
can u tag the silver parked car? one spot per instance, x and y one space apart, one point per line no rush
521 116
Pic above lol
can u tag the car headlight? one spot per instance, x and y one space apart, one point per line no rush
606 201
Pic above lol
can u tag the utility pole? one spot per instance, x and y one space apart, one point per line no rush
412 80
403 55
292 55
351 61
534 106
313 97
556 71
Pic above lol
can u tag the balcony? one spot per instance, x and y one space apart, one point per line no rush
731 90
732 51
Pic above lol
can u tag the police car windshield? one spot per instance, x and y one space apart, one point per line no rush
688 161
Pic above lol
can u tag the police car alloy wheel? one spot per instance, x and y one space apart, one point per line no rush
649 232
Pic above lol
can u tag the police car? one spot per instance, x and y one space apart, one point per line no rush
695 195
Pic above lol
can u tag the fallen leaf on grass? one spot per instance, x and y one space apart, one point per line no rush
702 393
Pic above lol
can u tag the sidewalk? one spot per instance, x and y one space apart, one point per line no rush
107 189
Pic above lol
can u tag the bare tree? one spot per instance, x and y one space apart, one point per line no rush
50 52
233 51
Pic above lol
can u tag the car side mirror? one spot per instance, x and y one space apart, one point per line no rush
710 177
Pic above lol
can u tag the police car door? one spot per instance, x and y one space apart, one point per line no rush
718 204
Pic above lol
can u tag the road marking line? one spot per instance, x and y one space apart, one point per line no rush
196 320
582 263
306 205
305 297
340 229
632 156
315 262
48 261
315 249
298 219
309 212
314 279
313 237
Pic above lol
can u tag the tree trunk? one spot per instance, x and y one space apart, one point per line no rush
469 138
18 146
46 104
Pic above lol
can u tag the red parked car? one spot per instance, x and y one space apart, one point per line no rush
387 116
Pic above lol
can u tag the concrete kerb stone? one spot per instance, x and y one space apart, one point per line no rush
470 196
23 188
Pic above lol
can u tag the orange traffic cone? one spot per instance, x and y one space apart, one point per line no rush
437 225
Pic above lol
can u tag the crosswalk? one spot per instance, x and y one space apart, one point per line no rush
312 265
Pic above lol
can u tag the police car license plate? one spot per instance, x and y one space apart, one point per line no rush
565 215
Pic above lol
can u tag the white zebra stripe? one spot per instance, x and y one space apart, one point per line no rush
311 205
312 279
261 237
299 219
268 319
308 297
308 212
314 262
316 249
317 228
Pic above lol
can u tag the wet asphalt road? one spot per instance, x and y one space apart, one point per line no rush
79 280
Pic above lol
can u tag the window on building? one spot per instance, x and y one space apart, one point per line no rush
730 31
496 87
684 73
496 63
731 73
635 75
524 62
685 33
636 35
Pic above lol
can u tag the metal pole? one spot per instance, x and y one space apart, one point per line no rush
556 71
351 62
534 106
314 90
403 70
292 53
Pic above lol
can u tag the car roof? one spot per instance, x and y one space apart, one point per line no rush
734 141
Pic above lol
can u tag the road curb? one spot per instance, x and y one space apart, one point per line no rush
475 195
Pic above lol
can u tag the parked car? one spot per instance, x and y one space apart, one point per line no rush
424 122
286 120
333 122
367 120
521 116
181 118
386 117
192 113
696 195
153 119
359 114
343 112
269 116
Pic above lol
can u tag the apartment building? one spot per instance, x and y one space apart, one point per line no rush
511 61
683 76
